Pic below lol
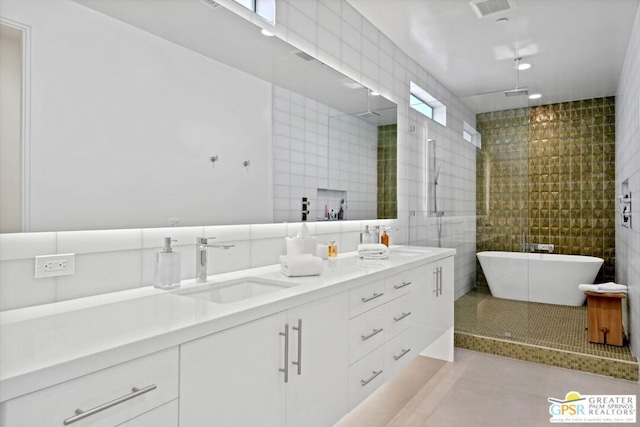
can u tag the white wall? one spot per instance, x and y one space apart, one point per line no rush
123 124
339 36
628 168
10 129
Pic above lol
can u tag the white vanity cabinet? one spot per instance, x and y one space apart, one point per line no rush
231 378
164 416
130 392
289 369
378 333
432 325
395 319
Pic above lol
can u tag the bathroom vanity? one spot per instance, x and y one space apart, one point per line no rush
251 347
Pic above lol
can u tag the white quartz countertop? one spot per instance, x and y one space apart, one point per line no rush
44 345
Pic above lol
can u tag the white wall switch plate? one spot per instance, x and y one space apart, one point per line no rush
55 265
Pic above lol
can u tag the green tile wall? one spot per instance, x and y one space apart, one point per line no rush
548 171
387 172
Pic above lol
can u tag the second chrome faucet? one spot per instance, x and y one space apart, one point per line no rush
202 244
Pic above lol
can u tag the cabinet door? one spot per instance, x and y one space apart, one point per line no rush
317 390
445 300
232 378
433 332
423 330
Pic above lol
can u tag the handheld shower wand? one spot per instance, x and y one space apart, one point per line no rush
435 180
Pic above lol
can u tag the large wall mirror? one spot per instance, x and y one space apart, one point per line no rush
128 123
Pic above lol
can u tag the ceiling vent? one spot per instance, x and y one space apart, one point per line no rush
210 3
484 8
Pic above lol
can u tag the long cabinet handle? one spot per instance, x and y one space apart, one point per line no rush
371 378
402 285
404 351
375 332
402 316
298 363
285 370
135 392
440 280
374 296
436 282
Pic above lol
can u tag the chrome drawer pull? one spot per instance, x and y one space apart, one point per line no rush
375 295
401 286
135 392
299 361
371 378
402 354
375 332
397 319
285 370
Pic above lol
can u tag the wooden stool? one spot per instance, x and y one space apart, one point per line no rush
604 311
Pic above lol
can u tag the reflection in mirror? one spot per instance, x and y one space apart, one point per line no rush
331 159
362 165
130 100
10 112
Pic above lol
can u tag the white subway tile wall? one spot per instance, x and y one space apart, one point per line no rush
306 162
335 33
628 168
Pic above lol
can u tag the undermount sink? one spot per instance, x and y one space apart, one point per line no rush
235 290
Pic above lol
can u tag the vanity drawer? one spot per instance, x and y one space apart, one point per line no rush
164 416
366 333
397 353
154 376
398 284
398 315
366 297
365 377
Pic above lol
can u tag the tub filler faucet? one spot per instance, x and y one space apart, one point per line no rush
202 244
539 247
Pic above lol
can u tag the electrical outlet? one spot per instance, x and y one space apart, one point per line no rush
55 265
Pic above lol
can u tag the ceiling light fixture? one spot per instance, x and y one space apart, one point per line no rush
535 96
266 33
502 21
524 66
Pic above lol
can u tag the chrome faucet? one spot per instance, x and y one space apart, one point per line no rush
202 243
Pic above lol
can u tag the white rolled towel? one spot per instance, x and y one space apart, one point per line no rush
588 287
612 287
603 287
373 251
300 265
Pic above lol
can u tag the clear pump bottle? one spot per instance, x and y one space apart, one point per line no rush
167 267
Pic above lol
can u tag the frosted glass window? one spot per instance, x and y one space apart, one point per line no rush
423 102
421 106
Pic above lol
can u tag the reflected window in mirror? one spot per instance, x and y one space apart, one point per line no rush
264 8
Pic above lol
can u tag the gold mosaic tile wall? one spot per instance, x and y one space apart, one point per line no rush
387 171
548 172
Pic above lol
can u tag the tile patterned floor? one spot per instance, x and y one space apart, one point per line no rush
474 391
541 333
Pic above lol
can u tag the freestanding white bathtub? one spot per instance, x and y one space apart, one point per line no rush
548 278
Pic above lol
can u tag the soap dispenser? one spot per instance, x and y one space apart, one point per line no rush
167 268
